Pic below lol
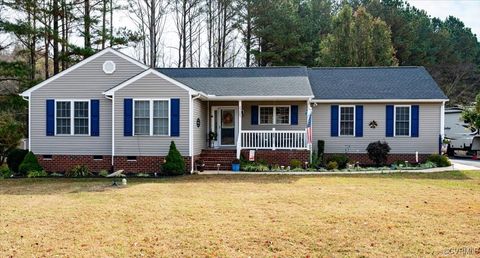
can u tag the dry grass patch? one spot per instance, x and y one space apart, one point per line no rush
242 215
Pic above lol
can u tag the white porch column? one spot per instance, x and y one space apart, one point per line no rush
239 136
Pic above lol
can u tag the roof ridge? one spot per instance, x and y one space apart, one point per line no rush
251 67
365 67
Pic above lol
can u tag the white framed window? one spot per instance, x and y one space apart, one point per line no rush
347 120
402 116
151 117
72 117
270 115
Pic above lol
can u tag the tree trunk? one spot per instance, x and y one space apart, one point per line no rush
56 60
153 52
86 25
104 23
184 30
111 23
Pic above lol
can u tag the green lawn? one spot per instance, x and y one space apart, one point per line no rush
242 215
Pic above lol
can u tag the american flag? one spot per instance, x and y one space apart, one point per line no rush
309 125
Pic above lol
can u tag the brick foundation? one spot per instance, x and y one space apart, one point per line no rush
143 164
363 159
279 157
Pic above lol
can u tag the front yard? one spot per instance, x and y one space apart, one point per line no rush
242 215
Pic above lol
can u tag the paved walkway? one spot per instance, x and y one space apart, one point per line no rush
430 170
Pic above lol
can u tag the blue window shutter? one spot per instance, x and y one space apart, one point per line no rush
95 117
359 121
389 121
415 120
127 117
254 115
294 111
175 117
50 117
334 121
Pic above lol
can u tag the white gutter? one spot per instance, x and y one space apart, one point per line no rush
378 100
237 98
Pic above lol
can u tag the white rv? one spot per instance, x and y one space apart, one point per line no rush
458 133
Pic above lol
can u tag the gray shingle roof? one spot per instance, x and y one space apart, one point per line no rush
373 83
255 81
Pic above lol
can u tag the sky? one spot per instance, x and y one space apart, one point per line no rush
467 11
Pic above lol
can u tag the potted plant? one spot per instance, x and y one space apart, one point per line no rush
212 137
236 165
199 165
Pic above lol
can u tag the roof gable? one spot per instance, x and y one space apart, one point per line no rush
26 93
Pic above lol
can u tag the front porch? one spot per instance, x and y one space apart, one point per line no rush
270 128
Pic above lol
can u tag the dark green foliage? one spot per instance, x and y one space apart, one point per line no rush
174 163
331 165
5 172
78 171
15 158
341 160
10 134
40 173
378 152
439 160
472 115
29 163
295 163
321 150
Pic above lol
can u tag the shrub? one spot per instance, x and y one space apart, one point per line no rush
78 171
29 163
295 163
298 170
57 174
331 165
341 160
321 149
174 163
15 158
39 173
103 173
439 160
378 152
5 172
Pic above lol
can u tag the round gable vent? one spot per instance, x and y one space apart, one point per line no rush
109 67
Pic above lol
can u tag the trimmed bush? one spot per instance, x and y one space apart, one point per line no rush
40 173
174 163
78 171
295 163
5 172
103 173
378 152
15 158
29 163
341 160
439 160
331 165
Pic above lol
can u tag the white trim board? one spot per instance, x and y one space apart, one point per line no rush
145 73
378 100
80 64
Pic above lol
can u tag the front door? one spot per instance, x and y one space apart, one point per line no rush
225 124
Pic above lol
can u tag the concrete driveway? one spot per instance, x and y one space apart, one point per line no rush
465 163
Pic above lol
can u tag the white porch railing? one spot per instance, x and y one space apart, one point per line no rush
273 140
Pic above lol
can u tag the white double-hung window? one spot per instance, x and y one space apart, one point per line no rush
270 115
151 117
347 120
72 117
402 121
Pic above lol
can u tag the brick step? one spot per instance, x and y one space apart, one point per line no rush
217 158
219 151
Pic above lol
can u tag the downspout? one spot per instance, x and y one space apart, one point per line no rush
113 129
192 162
29 121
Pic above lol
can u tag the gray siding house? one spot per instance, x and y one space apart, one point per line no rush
112 112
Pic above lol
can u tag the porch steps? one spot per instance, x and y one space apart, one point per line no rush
212 157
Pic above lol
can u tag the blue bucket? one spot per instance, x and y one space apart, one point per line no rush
235 167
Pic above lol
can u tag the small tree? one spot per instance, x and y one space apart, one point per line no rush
378 152
10 134
174 163
29 163
472 115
